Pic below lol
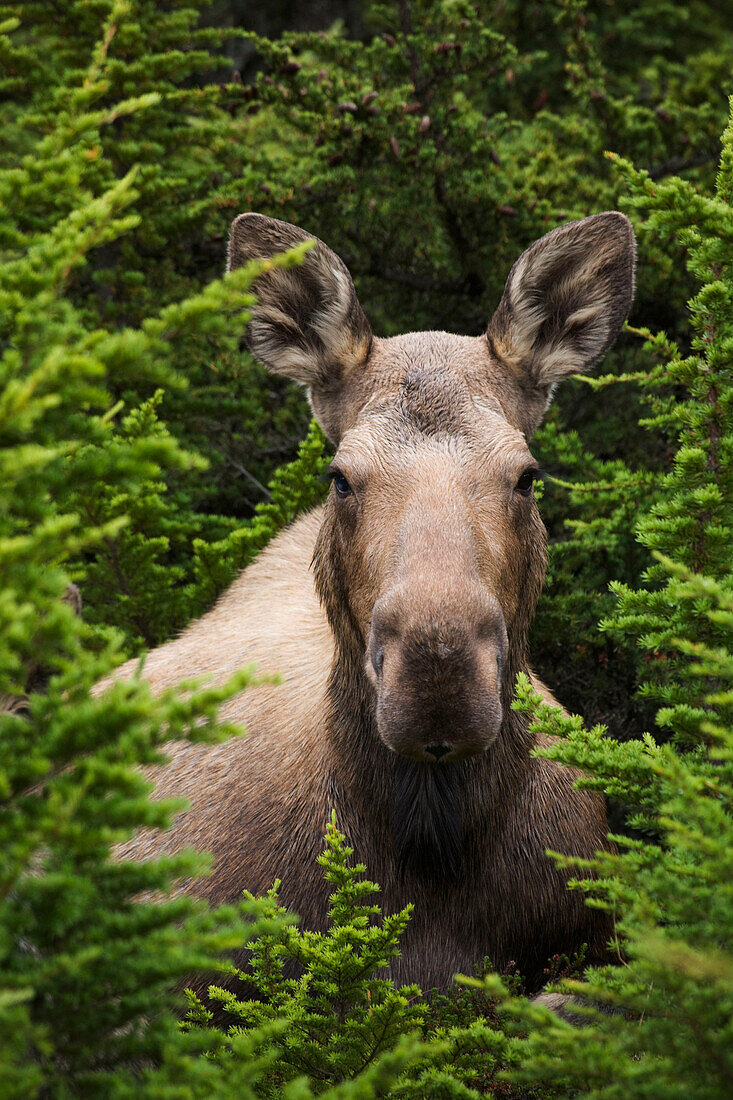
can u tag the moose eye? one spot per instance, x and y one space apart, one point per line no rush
526 481
343 489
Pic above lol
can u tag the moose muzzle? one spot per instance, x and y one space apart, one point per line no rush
437 668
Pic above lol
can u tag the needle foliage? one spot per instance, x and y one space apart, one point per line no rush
145 457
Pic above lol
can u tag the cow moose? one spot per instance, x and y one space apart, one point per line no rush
397 615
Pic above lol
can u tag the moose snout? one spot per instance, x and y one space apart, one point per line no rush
437 671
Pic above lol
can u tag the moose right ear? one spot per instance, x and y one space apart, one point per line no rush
307 323
564 303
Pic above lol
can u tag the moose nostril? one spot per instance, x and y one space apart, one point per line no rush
437 750
378 660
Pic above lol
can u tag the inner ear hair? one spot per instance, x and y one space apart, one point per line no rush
307 323
565 300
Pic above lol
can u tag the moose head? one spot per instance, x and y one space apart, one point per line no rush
431 555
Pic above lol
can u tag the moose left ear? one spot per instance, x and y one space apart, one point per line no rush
564 303
307 323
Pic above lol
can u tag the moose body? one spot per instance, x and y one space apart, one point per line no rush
397 616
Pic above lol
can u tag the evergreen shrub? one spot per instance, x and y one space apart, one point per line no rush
89 960
146 457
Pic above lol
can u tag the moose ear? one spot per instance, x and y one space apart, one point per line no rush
564 303
307 323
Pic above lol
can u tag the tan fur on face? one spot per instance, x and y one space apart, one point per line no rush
398 616
435 536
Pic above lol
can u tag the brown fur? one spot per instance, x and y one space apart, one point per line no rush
398 617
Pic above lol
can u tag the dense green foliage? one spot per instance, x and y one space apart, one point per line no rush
339 1021
146 457
669 1033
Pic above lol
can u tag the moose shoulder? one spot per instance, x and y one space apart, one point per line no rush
397 615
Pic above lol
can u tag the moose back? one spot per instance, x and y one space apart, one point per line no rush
397 616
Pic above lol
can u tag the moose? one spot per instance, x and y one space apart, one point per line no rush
397 617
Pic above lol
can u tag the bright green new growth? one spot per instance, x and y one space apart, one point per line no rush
340 1018
88 966
317 1009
